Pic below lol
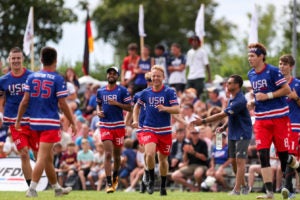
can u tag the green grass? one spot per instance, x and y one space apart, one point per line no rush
93 195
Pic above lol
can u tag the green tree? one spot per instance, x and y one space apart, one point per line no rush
165 22
49 15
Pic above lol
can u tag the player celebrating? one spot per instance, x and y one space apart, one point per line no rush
44 90
160 102
11 93
271 112
112 100
286 63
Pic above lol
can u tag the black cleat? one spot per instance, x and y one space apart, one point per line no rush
163 192
142 187
150 187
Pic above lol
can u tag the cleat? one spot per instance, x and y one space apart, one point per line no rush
110 189
292 162
143 187
269 195
245 190
285 193
163 192
150 187
292 196
62 191
31 193
115 183
234 193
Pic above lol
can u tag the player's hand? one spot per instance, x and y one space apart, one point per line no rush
250 105
161 108
18 126
293 94
197 121
261 96
100 114
135 124
112 102
74 129
220 129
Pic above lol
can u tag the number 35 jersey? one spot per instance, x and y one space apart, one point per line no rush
45 88
13 88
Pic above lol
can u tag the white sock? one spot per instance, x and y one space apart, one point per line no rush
33 185
56 186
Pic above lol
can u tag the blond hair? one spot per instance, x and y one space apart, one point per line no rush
159 68
148 75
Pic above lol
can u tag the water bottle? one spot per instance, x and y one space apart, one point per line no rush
219 139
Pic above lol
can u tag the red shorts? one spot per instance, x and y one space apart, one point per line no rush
25 137
293 143
163 142
114 135
49 136
272 130
139 136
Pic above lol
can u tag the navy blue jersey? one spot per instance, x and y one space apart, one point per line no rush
45 88
239 121
155 121
13 87
294 114
144 65
269 79
220 156
114 117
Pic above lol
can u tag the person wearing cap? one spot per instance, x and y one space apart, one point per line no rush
198 64
286 64
271 111
195 157
112 99
213 98
129 62
239 131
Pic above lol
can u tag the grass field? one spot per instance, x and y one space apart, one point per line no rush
93 195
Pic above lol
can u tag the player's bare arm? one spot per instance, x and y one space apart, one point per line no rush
113 102
100 112
67 112
212 118
2 102
135 115
22 109
175 109
284 90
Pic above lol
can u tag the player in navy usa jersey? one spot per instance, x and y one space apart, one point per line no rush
44 90
271 111
286 64
12 88
160 102
112 100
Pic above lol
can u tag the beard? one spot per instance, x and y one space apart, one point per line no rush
112 81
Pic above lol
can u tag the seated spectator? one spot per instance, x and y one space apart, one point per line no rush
213 98
10 147
85 159
85 134
219 165
71 76
138 172
194 162
176 154
92 103
97 169
57 151
2 152
68 164
128 162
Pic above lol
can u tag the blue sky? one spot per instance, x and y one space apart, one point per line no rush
70 48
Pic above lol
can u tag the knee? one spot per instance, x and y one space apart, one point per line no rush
24 154
175 175
108 156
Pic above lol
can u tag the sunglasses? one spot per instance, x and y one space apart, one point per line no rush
149 80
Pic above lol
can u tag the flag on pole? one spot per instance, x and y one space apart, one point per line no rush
199 24
253 33
88 46
141 21
29 33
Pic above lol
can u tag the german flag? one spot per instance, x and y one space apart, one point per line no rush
88 46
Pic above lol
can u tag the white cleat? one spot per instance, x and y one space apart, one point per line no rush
31 193
62 191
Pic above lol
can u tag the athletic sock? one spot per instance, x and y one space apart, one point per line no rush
33 185
151 175
108 180
56 186
163 181
28 182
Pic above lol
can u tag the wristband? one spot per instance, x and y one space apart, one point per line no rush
270 95
203 121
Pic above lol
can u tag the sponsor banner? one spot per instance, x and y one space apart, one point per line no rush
11 176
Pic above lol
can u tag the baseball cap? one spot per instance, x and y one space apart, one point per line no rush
195 37
113 68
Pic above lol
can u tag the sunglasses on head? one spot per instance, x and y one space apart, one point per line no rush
148 80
